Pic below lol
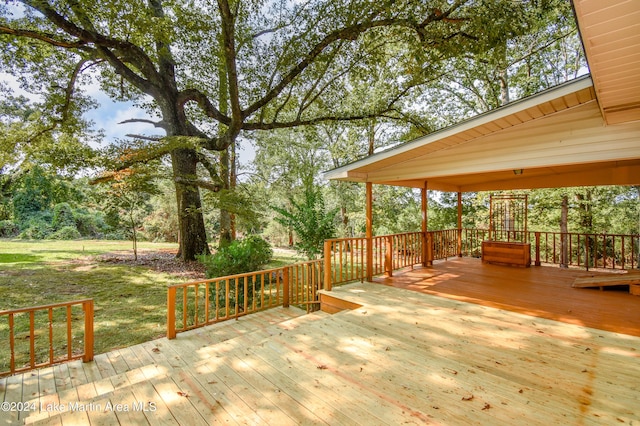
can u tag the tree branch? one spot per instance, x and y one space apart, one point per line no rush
349 33
198 183
160 124
47 38
205 104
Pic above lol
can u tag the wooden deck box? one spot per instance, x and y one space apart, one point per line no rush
506 253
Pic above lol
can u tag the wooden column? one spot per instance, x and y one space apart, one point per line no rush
88 331
327 265
171 313
459 224
369 234
426 242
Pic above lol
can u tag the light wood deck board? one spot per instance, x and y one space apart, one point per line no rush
388 359
319 385
403 358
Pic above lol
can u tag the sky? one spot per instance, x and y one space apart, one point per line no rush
110 114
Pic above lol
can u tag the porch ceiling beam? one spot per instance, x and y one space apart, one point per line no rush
623 175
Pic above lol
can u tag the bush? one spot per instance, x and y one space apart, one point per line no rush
8 229
63 216
90 224
36 229
66 233
247 255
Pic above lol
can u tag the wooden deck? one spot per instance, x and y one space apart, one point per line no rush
404 357
541 291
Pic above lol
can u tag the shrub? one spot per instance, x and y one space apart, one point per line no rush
8 229
66 233
36 230
90 223
63 216
247 255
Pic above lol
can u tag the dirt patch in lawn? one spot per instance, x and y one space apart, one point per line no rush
157 260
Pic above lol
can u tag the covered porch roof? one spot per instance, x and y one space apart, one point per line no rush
584 132
556 138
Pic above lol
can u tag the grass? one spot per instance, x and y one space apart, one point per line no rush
130 301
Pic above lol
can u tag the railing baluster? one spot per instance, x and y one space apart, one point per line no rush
51 355
32 338
69 336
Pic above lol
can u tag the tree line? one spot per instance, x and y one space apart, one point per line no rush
215 74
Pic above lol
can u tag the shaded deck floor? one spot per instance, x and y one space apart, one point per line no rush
404 357
542 291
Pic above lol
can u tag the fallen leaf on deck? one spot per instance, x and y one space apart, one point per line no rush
467 398
322 367
186 395
486 406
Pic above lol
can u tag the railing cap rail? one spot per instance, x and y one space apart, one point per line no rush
42 307
245 274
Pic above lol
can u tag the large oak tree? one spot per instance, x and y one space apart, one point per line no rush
209 70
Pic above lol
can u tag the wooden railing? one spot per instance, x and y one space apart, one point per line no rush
590 251
26 328
345 260
445 243
349 259
200 303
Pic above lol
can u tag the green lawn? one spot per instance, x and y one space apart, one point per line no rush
130 301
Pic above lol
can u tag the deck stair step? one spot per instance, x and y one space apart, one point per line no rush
607 280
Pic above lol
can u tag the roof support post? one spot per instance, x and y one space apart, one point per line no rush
427 253
369 234
459 224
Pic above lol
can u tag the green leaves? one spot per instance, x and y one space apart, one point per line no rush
247 255
310 220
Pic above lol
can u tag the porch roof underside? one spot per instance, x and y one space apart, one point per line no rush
558 138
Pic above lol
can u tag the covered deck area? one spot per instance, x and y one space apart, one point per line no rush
401 357
544 292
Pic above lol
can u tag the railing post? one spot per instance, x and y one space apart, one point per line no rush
388 256
88 331
369 265
538 263
586 251
171 313
459 242
327 265
285 287
429 249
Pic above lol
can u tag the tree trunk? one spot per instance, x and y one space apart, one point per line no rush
193 236
225 215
